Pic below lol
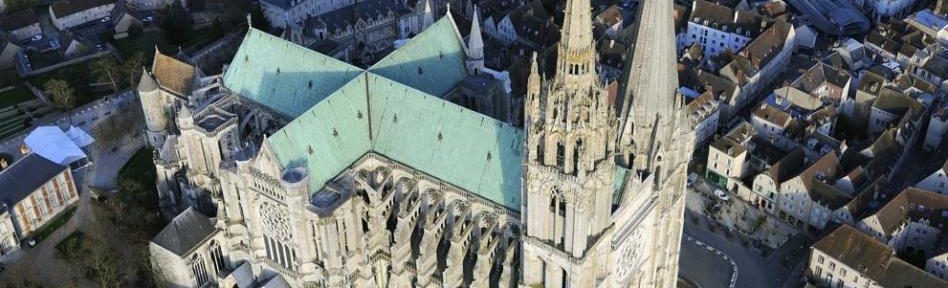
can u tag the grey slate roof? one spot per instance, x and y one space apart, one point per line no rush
18 20
25 176
185 231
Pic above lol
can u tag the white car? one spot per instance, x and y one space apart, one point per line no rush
692 177
720 194
106 19
37 37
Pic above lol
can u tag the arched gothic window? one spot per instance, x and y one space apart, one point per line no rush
199 269
217 256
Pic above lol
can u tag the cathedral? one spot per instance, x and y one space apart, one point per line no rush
295 169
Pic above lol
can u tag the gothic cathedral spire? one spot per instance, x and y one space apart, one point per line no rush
570 169
576 50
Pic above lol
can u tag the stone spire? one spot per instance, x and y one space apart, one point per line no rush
577 23
533 93
427 16
650 87
576 50
475 46
475 43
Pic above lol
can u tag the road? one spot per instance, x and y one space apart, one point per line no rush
754 270
704 266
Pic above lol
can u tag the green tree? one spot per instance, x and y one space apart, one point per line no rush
17 5
178 25
63 95
107 70
258 21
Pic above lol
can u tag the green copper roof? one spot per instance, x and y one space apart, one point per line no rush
283 76
327 138
401 108
460 146
433 61
449 142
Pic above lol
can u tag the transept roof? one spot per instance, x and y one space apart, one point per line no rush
283 76
393 109
433 61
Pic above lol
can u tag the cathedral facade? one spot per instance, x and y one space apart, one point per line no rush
294 169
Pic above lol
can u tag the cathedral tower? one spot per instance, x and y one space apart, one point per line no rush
570 170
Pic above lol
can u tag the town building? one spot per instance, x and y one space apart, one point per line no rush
35 191
705 115
728 156
720 29
937 128
849 258
8 51
840 18
22 25
881 10
776 126
66 14
760 62
365 30
148 5
317 173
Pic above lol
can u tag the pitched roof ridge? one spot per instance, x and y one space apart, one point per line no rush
305 50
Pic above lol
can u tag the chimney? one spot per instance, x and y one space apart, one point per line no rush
3 163
24 149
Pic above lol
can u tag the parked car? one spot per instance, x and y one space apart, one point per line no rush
37 37
106 19
692 178
721 194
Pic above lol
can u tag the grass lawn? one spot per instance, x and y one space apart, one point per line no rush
78 76
70 247
140 168
54 224
16 96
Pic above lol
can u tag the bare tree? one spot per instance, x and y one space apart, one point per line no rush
63 95
132 69
106 69
104 262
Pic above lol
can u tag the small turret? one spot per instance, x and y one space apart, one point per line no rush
156 119
475 46
185 119
427 16
533 91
